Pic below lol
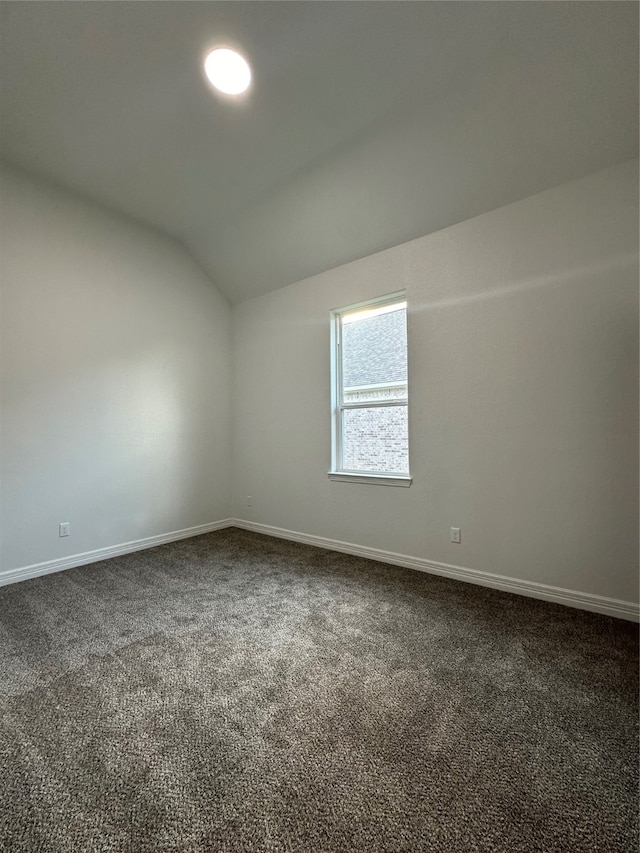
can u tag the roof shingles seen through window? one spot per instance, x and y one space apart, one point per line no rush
374 350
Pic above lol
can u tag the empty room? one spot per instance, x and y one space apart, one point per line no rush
319 427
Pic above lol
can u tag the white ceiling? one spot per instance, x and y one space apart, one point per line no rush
369 123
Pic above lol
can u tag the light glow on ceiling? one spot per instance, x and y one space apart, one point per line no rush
227 71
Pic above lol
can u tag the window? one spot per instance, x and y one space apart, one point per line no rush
370 436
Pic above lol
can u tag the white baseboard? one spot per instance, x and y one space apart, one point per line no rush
581 600
71 562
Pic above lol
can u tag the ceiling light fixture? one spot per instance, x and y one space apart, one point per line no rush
227 71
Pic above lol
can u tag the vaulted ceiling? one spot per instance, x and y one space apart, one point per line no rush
368 124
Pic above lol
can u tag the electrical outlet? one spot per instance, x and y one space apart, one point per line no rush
64 528
248 500
456 535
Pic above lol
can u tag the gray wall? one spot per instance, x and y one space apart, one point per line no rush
523 370
523 375
115 380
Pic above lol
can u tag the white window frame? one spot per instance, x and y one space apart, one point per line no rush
338 406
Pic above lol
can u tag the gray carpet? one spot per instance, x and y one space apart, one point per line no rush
235 692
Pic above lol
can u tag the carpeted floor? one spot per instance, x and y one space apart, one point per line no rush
235 692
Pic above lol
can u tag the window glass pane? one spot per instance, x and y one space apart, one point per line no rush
374 354
375 439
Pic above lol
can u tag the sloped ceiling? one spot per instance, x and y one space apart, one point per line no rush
368 124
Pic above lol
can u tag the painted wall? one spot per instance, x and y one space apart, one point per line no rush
523 369
523 376
115 380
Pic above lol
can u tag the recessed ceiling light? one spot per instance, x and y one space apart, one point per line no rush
227 71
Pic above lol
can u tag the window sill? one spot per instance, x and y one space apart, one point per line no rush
371 479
